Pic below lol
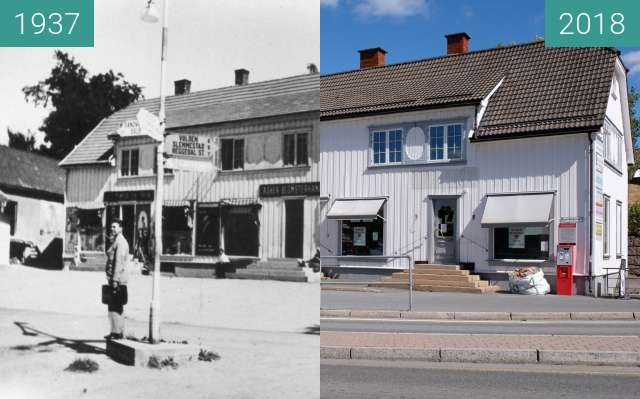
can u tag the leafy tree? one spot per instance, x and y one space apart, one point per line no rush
79 101
20 141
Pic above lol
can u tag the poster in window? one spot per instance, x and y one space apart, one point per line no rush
360 236
374 236
598 231
516 237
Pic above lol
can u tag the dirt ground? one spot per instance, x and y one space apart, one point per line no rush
265 332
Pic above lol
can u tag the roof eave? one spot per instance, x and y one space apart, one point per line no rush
399 110
536 133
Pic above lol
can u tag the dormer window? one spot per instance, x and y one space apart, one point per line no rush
129 162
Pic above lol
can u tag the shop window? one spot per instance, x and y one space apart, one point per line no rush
232 154
208 229
605 227
177 222
363 237
89 226
241 230
295 151
521 242
129 162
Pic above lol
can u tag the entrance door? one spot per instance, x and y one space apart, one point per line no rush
294 228
444 230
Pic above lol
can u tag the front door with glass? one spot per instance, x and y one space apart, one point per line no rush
444 231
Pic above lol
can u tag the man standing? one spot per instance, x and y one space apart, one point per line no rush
117 274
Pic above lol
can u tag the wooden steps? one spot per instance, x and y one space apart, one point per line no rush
438 278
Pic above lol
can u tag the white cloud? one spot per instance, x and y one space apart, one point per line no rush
329 3
391 8
467 11
632 61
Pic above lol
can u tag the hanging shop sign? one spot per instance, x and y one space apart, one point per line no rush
189 145
290 189
123 196
144 124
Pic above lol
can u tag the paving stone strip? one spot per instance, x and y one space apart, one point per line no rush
519 316
485 348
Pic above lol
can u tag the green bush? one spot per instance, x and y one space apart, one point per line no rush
634 219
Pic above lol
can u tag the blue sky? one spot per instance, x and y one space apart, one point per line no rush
415 29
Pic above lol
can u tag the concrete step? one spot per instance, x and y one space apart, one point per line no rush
452 272
443 277
431 266
452 283
268 276
442 288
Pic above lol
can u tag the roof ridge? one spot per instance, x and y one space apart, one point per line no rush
415 61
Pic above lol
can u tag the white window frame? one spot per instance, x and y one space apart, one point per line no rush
129 152
387 133
492 244
618 229
613 141
445 147
606 223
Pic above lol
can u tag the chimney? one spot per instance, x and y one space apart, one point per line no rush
182 86
242 77
457 43
312 68
372 57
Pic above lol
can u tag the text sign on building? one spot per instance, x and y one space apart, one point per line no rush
289 189
122 196
189 145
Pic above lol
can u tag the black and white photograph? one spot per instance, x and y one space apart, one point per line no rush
160 200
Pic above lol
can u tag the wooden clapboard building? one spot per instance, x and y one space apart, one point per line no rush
241 178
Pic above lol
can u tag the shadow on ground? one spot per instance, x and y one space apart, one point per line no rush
77 345
313 330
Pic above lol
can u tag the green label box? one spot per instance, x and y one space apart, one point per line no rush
46 23
592 23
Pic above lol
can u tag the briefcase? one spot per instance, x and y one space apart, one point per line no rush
114 295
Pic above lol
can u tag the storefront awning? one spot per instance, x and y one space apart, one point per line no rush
86 205
364 208
530 209
239 202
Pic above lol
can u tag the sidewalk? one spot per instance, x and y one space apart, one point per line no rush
252 364
398 300
484 348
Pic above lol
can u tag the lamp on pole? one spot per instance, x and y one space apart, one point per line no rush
150 14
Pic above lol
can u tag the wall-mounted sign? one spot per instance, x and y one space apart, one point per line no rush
290 189
189 145
144 124
121 196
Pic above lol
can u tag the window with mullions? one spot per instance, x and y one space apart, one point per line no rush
387 146
454 142
232 154
445 142
296 149
436 143
129 162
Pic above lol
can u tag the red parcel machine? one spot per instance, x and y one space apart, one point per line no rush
565 258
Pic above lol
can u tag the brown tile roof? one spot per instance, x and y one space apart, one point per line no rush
256 100
544 89
29 172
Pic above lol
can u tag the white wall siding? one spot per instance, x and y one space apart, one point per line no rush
557 164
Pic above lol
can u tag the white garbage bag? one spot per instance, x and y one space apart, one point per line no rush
528 281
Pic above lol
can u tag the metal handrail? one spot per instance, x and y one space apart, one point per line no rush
373 257
620 274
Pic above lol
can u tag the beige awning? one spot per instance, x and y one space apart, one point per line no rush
530 209
363 208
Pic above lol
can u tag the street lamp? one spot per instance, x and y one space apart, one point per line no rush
150 14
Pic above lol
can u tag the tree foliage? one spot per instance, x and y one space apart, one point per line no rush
78 100
634 96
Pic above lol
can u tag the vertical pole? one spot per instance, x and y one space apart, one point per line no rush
154 316
410 283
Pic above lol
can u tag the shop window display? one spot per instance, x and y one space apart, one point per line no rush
521 242
241 230
177 224
363 237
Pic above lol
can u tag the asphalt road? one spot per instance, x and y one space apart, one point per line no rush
567 327
364 379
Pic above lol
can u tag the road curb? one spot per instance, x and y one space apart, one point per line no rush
483 355
479 316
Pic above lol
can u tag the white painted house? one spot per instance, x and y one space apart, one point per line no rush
476 158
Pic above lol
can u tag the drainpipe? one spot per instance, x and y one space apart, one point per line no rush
592 237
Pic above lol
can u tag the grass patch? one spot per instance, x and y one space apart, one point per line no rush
155 363
83 366
208 356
